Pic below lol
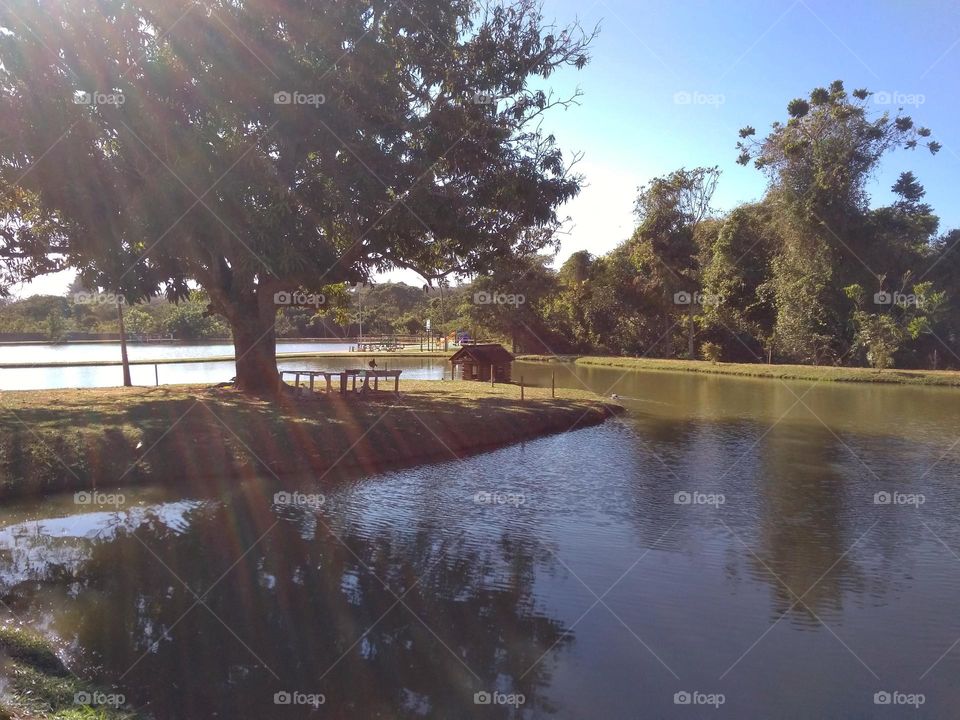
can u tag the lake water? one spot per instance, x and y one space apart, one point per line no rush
168 374
788 549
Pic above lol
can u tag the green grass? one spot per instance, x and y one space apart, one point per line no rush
40 686
945 378
59 440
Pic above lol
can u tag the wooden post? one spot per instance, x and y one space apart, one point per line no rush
156 375
521 387
553 384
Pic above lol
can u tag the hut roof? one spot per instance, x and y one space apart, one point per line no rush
485 354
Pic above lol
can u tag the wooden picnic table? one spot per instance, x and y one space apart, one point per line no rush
345 376
376 346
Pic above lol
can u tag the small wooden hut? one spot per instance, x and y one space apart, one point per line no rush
482 361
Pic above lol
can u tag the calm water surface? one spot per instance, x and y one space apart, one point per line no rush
203 372
593 589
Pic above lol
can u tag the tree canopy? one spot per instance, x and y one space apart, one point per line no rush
256 147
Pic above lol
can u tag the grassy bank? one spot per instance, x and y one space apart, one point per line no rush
57 440
946 378
41 687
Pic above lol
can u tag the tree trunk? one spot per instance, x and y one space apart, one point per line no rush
690 332
255 346
124 360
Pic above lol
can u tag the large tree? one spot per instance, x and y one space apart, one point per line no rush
667 246
819 162
259 147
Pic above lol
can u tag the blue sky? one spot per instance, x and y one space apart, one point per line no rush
671 83
739 64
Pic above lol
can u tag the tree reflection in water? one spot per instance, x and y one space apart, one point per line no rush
211 614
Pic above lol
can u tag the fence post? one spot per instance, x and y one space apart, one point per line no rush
553 384
156 375
521 387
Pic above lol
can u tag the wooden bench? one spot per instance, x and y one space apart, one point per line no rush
376 375
345 377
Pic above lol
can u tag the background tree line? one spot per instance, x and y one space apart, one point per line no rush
813 272
810 273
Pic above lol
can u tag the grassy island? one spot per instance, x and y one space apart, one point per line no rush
60 440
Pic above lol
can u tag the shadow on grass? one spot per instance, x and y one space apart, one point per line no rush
55 441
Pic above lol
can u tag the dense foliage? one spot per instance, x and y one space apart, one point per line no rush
813 272
257 148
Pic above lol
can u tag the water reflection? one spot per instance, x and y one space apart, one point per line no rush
175 373
384 624
505 597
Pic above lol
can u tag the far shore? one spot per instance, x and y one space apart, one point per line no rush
825 373
69 440
230 358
